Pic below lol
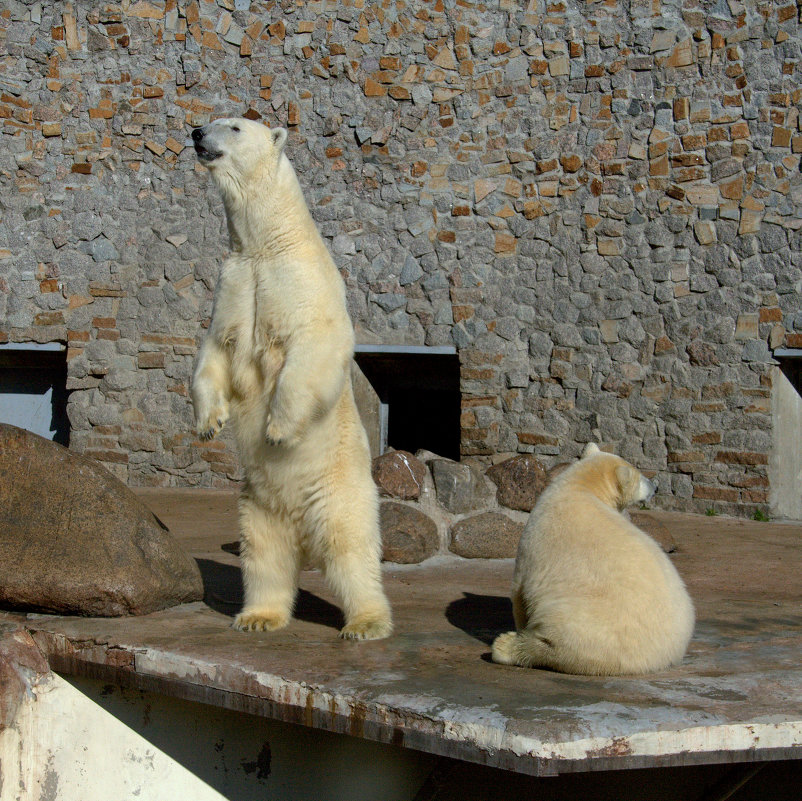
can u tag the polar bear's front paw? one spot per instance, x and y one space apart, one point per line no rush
277 434
371 629
209 425
264 620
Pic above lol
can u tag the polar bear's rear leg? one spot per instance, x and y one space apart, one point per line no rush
352 562
523 648
270 568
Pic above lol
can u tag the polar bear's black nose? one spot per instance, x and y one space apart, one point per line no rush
197 134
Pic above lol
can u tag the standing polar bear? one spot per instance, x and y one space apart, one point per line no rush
276 360
593 593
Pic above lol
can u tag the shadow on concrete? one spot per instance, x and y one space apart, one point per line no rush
222 591
484 617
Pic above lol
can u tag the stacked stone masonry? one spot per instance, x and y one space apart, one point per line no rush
598 203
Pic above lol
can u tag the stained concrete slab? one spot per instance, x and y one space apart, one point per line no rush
431 686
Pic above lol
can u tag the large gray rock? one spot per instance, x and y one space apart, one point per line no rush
408 535
489 535
461 487
399 474
75 540
520 481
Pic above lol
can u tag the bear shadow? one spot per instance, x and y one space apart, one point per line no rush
223 592
484 617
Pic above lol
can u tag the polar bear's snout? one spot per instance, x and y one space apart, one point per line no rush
206 151
647 489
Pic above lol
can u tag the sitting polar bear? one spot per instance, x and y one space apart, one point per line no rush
592 593
277 360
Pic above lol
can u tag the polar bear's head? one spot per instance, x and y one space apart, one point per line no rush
613 479
236 149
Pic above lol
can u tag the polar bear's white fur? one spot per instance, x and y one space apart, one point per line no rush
592 593
276 359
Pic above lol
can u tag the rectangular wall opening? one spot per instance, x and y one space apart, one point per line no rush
33 389
418 388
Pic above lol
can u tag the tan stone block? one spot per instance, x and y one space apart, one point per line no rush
637 151
771 315
149 360
559 66
705 232
777 336
609 330
156 148
733 189
752 203
51 129
374 89
482 188
571 162
659 166
702 195
512 187
533 209
278 30
781 137
445 59
682 108
505 243
682 55
607 247
746 326
145 11
750 222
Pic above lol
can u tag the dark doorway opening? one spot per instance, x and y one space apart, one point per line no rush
33 389
419 392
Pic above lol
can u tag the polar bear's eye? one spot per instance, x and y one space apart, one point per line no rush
235 128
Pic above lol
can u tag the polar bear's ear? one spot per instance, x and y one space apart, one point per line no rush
626 475
591 449
279 138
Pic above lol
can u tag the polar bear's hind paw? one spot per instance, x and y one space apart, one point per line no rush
260 621
367 630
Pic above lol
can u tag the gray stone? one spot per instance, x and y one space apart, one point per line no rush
102 250
460 487
489 535
74 540
408 535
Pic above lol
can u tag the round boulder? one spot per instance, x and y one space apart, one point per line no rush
520 481
399 474
408 535
489 535
75 540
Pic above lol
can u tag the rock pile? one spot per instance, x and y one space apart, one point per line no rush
465 508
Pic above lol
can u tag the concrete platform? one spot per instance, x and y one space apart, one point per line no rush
737 697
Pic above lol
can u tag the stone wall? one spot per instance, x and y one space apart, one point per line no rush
598 203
